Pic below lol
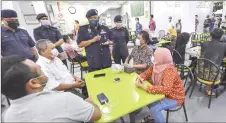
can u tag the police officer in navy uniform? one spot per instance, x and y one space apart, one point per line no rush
95 38
45 31
120 38
14 40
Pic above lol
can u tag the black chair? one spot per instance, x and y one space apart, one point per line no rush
73 63
206 72
83 64
190 74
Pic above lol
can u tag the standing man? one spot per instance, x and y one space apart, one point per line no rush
120 38
95 38
152 25
171 24
196 22
206 24
138 26
178 27
45 31
14 40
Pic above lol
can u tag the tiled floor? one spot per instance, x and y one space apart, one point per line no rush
197 109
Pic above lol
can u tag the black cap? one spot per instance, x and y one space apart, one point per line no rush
170 17
91 12
8 13
118 18
41 15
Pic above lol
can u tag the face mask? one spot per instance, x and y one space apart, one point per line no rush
137 42
45 22
93 23
118 25
13 24
55 53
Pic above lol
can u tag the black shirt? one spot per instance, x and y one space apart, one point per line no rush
51 33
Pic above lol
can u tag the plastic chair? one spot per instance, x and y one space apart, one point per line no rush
190 74
206 72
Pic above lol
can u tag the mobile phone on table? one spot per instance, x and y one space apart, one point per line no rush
99 75
102 98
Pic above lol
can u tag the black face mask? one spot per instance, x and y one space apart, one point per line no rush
13 24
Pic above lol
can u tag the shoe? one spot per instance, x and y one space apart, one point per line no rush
147 120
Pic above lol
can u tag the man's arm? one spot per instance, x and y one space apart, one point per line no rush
78 109
126 35
35 52
63 86
31 43
59 38
89 42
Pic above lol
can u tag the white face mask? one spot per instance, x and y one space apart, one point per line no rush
55 53
137 42
118 25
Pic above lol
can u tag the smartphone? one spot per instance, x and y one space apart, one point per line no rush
102 98
99 75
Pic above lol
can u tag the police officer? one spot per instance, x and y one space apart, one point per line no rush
14 40
95 38
120 38
45 31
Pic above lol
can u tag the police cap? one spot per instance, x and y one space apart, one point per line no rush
8 13
91 12
118 18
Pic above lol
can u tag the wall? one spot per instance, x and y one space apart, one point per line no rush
113 13
143 19
186 12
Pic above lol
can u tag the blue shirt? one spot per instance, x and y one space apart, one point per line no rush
138 28
98 56
51 33
17 42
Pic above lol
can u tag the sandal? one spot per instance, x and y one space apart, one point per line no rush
147 119
208 93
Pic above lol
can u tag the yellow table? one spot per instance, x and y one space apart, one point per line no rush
124 94
160 43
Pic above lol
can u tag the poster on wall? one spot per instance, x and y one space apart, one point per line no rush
137 8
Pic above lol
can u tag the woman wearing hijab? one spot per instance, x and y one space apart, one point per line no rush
165 80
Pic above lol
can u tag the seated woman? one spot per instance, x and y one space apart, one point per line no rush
141 54
165 80
70 49
183 46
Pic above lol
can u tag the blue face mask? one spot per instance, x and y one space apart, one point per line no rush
93 23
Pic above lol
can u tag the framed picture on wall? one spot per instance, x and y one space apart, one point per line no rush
31 19
137 8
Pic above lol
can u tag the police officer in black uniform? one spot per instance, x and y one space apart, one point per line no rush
45 31
95 38
120 38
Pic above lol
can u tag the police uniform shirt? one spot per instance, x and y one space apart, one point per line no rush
98 56
50 33
120 35
17 42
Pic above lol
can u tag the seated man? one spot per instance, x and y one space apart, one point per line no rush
214 50
23 83
60 78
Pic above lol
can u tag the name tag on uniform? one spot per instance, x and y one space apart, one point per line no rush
103 32
89 30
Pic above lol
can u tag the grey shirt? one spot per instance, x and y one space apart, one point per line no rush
49 107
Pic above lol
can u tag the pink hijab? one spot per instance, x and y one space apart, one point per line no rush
163 59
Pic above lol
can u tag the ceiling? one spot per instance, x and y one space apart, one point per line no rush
89 2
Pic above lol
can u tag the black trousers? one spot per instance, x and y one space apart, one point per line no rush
119 57
83 95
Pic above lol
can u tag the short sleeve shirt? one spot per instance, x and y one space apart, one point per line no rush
51 106
56 72
17 42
